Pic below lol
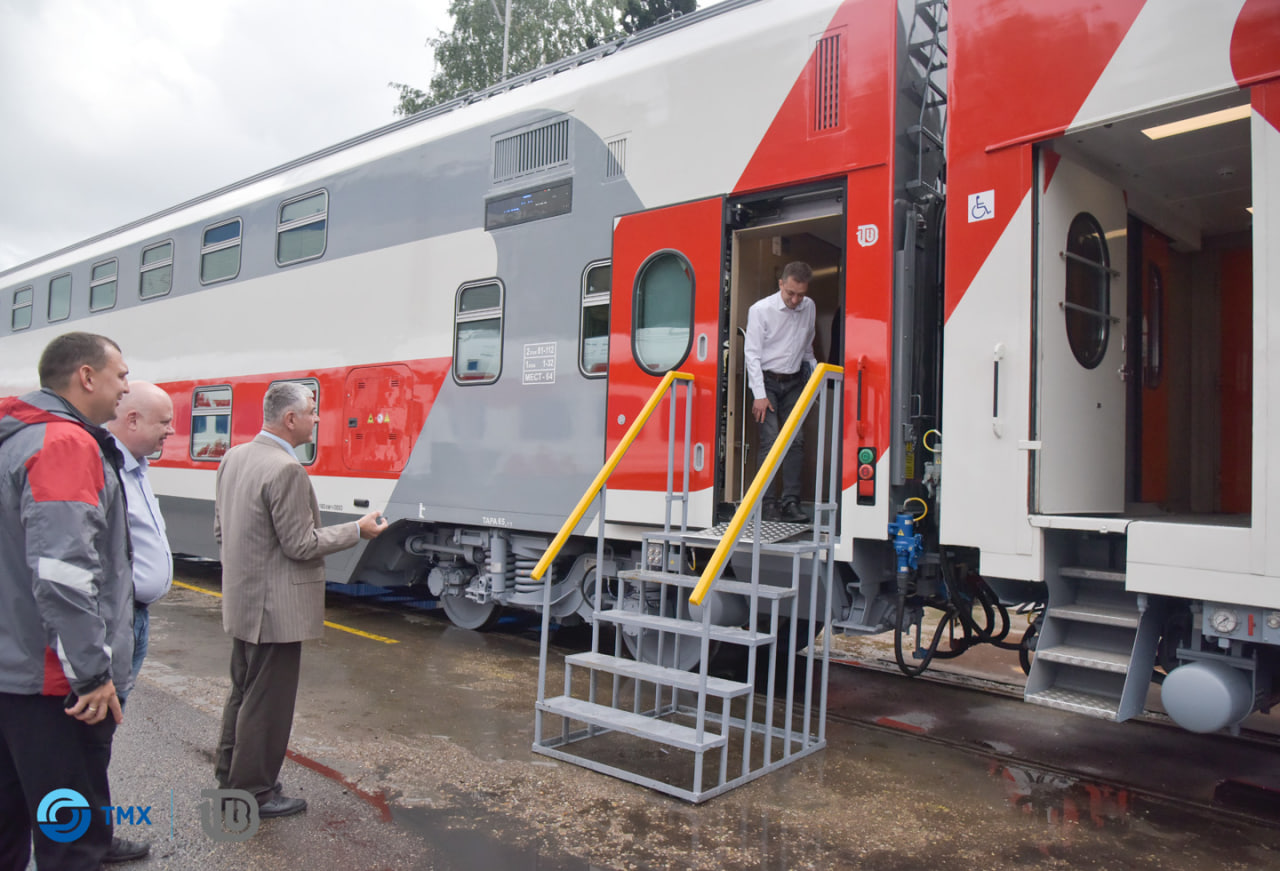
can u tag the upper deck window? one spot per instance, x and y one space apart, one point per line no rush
60 298
220 252
300 232
102 286
155 277
21 317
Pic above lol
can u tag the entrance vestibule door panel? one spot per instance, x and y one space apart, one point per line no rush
1082 299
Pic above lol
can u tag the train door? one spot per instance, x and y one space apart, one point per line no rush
1081 302
769 232
665 315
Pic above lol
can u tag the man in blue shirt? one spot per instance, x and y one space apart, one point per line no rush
144 419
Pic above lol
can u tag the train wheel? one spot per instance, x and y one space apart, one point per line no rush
467 614
687 659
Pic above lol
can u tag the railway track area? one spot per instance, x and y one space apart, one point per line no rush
412 744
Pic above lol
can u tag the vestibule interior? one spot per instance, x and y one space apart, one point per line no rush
1190 304
759 255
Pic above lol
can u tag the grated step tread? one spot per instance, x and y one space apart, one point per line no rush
1089 704
662 731
1106 615
765 591
669 677
730 634
1086 657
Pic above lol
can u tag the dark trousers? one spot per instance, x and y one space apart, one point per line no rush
258 717
783 392
41 750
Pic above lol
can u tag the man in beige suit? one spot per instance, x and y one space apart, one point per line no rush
267 521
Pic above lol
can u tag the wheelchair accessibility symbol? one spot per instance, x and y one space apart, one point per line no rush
982 207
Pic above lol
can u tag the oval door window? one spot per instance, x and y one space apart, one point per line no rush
663 322
1088 292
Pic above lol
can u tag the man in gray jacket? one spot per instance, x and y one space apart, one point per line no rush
66 636
267 521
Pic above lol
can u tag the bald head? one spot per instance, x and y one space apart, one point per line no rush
144 419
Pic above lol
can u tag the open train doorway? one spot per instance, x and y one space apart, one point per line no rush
1145 314
767 233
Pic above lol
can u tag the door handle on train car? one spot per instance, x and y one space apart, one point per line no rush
862 424
997 354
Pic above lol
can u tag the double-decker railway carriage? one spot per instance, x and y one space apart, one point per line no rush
1040 241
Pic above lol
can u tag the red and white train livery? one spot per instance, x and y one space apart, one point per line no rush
1042 241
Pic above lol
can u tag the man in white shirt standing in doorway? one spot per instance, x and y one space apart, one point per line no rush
144 419
779 356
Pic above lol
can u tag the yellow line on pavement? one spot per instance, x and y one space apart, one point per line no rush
196 589
368 635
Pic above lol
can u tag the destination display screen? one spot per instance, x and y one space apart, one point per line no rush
529 205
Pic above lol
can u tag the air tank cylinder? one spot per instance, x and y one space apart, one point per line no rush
1207 696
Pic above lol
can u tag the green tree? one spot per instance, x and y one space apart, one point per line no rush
469 57
638 14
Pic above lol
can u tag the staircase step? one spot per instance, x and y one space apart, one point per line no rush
1086 657
724 585
1091 574
662 731
772 533
1104 614
1089 704
667 677
731 634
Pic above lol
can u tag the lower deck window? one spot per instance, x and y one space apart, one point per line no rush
210 422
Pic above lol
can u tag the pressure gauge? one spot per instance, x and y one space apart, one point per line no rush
1223 621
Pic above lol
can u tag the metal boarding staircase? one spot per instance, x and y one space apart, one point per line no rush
694 712
1097 643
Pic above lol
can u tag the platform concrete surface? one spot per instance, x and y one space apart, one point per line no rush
412 746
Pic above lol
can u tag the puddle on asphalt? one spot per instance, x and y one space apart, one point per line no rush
1060 800
458 846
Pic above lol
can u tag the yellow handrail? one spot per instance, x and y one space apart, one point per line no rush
605 471
771 461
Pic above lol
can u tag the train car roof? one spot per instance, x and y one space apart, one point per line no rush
508 85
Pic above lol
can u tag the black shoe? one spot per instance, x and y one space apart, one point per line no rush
790 512
281 806
126 851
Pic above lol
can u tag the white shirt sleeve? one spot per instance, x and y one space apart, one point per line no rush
752 349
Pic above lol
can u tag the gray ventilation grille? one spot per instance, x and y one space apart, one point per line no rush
826 102
616 162
531 151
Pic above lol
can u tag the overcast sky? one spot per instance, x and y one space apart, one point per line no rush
115 109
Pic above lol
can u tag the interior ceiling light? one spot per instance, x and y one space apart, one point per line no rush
1199 122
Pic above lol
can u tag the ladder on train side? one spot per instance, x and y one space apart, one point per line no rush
922 76
686 733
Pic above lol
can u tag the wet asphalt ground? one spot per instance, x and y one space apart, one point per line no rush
411 745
